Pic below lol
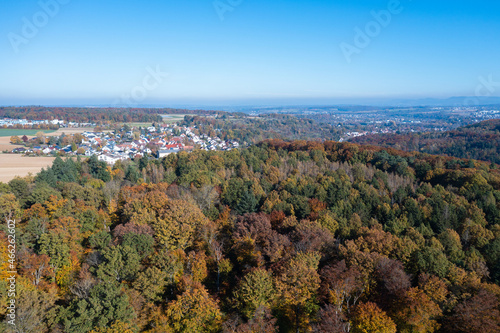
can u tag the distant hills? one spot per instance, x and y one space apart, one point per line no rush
480 141
251 104
459 101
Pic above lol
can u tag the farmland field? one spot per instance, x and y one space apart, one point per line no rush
19 132
72 130
139 124
5 144
12 165
173 118
166 118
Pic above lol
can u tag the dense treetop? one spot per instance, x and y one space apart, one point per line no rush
296 236
258 128
93 115
480 141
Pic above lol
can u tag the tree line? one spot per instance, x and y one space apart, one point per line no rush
98 115
480 141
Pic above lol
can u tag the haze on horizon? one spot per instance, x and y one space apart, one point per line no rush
239 51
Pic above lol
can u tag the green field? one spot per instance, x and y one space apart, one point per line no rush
139 124
166 118
173 118
21 132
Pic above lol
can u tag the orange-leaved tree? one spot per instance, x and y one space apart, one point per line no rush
369 318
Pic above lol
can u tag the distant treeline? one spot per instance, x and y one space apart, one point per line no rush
480 141
255 129
93 115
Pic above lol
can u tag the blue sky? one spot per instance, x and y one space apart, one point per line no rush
102 51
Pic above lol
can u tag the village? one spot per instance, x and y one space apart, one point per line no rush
121 144
54 123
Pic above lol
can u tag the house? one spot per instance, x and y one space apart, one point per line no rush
110 158
165 152
173 146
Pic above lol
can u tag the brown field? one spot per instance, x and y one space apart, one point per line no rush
5 144
12 165
70 131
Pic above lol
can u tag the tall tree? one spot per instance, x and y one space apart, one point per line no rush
297 287
194 311
256 289
107 304
369 318
478 314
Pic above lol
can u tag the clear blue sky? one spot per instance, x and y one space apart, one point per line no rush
98 51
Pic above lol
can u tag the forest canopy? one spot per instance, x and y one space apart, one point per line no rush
479 141
296 236
96 115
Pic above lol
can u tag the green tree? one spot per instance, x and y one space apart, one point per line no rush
107 304
256 289
98 169
19 187
247 203
151 283
430 260
131 174
40 194
120 263
57 247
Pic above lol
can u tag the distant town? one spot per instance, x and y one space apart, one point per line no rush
54 123
111 143
110 146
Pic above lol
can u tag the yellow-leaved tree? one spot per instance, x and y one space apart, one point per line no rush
177 223
116 327
369 318
194 311
297 287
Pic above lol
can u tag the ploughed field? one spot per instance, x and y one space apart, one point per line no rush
20 132
12 165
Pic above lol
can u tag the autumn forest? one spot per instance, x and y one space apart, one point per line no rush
278 237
